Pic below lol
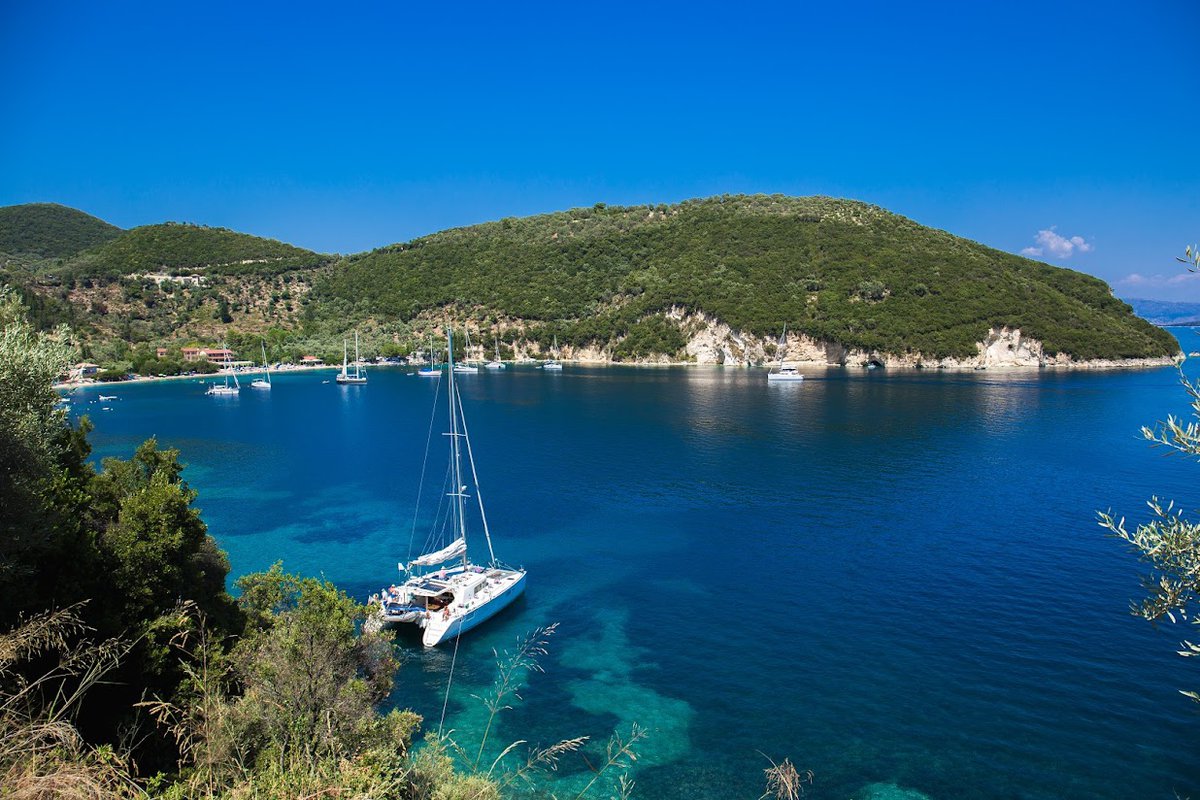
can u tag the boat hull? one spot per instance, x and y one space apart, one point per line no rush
438 631
351 380
775 377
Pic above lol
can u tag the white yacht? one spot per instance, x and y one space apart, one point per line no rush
496 363
446 601
554 365
784 372
225 389
359 375
466 367
265 381
433 370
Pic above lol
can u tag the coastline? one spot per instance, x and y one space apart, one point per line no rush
803 366
72 385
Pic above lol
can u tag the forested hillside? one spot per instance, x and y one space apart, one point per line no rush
48 230
177 247
618 281
837 270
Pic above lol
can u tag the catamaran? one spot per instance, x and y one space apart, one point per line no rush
265 381
360 375
784 372
448 601
496 363
224 390
553 364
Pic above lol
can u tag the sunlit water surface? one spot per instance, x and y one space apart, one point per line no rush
894 579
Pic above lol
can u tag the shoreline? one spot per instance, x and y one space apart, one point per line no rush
70 385
813 367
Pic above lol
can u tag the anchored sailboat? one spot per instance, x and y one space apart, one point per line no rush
553 364
448 601
265 381
784 372
466 368
360 375
224 389
433 370
496 363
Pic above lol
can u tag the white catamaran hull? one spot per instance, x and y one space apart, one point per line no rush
777 377
441 627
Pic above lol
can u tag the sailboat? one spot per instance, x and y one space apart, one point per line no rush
784 373
448 601
496 363
265 381
359 376
466 368
433 370
553 364
224 389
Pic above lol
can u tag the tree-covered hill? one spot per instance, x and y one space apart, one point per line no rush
48 230
613 279
837 270
179 247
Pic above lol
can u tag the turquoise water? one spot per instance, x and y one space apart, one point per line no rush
894 579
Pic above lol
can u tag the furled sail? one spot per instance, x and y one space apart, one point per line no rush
453 550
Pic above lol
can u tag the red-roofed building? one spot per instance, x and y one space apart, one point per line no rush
218 356
311 361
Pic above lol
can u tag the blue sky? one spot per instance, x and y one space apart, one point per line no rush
349 126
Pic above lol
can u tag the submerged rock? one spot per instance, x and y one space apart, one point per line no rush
889 791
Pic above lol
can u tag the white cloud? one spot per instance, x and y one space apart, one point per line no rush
1049 242
1157 280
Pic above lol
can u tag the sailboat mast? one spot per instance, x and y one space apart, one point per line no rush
455 453
356 358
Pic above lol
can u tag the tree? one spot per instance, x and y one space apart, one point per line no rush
1169 543
311 680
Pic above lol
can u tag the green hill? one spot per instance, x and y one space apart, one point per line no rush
614 279
837 270
48 230
179 247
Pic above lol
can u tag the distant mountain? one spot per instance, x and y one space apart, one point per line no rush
48 230
1163 312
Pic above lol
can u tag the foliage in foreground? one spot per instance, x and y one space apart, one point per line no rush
1169 542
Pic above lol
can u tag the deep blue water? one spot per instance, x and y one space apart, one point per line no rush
893 579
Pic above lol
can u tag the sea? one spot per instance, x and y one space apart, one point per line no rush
895 580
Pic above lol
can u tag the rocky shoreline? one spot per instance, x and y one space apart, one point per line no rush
712 342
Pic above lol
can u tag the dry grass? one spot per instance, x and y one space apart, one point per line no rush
42 755
785 782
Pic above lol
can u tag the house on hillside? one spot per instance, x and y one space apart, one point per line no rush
218 356
213 354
